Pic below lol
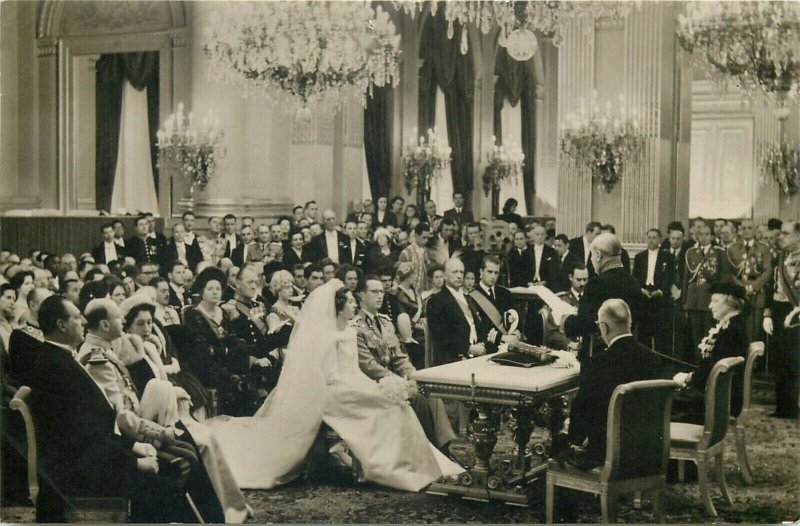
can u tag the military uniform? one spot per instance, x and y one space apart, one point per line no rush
751 262
380 354
97 356
785 342
703 266
553 337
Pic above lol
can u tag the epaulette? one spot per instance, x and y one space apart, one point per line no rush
384 316
33 332
358 321
562 293
96 356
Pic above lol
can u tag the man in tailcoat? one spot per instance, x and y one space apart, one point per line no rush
653 269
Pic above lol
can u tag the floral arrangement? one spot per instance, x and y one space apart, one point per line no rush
603 143
189 149
782 163
303 54
423 160
395 389
504 163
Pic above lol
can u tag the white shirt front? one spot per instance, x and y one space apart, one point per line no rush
652 257
537 260
119 241
332 243
178 292
353 249
181 248
460 298
381 215
231 239
188 238
110 251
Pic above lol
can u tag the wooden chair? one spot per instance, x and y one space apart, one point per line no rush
701 444
89 510
636 452
755 350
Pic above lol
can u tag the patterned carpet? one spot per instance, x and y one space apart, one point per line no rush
773 445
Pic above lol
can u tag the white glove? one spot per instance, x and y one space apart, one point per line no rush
682 378
767 325
263 362
787 322
140 449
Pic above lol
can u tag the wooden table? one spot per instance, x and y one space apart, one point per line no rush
532 396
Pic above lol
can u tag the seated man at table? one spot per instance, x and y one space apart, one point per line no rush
495 304
381 354
625 360
454 319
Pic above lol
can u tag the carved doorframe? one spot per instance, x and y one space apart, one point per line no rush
69 29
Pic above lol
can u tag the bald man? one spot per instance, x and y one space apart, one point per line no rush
625 360
612 281
331 243
454 320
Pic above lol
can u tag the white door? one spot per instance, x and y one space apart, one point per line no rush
722 168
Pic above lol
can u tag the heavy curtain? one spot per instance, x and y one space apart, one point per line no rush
141 70
516 83
377 146
444 66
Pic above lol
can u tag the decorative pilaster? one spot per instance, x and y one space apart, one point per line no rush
575 80
405 97
45 157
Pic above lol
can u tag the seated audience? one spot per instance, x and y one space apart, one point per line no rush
218 359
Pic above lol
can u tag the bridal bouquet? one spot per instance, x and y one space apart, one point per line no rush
395 389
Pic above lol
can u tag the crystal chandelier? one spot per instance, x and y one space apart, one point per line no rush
518 21
303 55
756 43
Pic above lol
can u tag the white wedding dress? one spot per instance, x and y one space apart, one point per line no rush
322 382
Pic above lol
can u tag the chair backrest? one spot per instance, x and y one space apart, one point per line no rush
718 401
428 343
638 430
20 403
755 350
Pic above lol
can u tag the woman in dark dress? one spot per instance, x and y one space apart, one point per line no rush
218 359
727 339
382 254
510 214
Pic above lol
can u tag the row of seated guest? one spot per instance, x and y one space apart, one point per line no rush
107 419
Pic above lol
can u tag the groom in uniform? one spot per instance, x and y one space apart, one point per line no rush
380 354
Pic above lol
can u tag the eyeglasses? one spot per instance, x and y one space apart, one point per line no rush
599 322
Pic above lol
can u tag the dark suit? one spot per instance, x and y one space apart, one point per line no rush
290 258
347 256
520 267
449 327
653 320
461 218
24 346
576 251
502 301
79 454
548 266
625 361
389 219
147 251
613 283
563 269
228 249
193 254
703 266
178 302
319 248
472 260
99 253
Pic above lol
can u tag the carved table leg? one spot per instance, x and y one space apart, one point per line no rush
523 428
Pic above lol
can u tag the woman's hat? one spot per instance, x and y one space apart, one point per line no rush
729 289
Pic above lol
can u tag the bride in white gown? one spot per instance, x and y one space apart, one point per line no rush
322 382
